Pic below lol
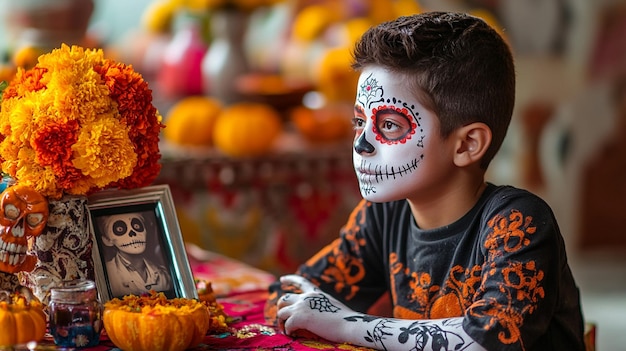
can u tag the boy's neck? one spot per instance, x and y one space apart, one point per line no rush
450 203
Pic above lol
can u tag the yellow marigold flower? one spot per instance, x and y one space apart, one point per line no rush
158 16
103 152
313 20
32 174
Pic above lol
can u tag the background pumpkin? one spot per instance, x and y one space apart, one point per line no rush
191 120
326 124
21 321
247 129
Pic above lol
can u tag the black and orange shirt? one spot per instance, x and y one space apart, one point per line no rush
502 266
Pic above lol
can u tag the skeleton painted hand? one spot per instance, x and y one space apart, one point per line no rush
316 312
312 310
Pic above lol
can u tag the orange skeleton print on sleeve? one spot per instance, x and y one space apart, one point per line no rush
344 270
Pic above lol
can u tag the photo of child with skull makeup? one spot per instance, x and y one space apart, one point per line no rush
134 261
467 264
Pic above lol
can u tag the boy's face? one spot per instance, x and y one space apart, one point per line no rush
127 232
395 137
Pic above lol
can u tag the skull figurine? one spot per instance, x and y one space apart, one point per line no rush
23 215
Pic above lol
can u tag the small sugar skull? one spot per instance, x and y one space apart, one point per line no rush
23 215
126 231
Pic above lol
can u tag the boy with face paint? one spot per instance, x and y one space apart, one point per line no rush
468 265
130 271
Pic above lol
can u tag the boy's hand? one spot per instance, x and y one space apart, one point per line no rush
311 310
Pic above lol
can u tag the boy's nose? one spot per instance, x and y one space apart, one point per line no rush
361 145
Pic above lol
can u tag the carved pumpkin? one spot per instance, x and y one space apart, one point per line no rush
22 318
23 215
247 129
154 322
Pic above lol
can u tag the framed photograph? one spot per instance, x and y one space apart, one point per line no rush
138 245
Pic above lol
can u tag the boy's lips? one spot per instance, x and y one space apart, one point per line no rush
364 173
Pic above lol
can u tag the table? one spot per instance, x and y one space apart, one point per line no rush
242 290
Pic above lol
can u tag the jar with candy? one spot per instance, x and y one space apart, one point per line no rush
75 314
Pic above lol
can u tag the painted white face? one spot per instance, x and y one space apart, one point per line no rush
127 232
391 130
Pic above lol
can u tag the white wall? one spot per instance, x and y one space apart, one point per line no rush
111 18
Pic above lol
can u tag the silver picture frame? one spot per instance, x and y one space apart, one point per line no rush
163 244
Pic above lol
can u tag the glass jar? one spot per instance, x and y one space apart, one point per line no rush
75 314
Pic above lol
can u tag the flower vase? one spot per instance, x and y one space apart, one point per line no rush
181 71
9 281
225 60
64 248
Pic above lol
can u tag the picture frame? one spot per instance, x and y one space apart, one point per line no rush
138 244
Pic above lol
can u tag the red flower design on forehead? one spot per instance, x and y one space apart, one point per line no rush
369 92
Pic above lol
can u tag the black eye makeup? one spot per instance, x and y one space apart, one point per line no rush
137 225
119 228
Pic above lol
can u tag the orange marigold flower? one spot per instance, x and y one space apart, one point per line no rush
134 100
25 81
53 144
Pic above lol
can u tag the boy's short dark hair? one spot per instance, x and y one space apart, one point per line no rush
459 67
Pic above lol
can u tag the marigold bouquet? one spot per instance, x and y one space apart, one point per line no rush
76 123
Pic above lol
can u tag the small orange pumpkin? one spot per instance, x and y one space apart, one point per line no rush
22 319
247 129
323 125
153 322
190 121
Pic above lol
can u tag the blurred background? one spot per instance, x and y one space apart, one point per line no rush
272 187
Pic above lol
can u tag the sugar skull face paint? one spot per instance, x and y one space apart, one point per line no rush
389 144
127 232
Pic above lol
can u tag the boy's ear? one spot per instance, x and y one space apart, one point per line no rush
106 241
473 140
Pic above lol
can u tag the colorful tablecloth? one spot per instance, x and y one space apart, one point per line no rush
242 291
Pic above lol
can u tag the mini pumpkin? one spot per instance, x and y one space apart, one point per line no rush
153 322
327 124
190 121
247 129
22 318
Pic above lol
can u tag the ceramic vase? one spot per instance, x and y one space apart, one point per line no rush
180 73
64 248
225 60
9 281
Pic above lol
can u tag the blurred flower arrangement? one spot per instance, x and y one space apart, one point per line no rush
76 123
243 5
159 15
